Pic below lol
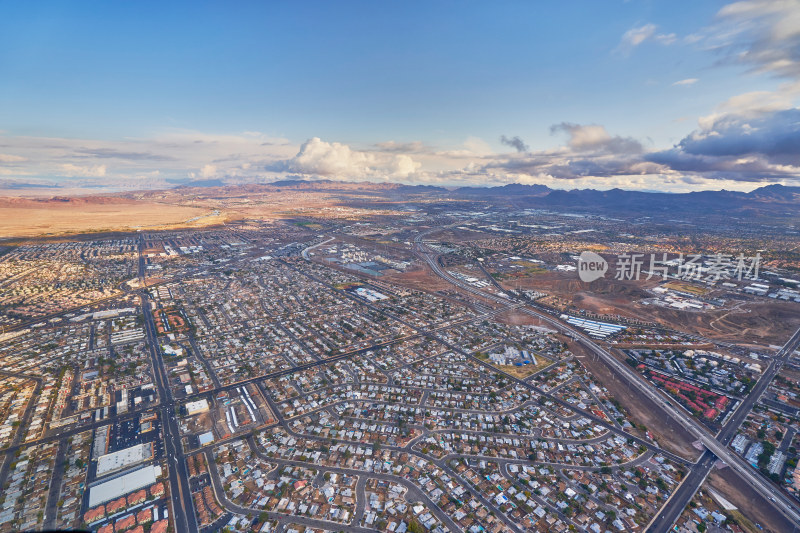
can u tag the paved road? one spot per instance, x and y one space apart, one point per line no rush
295 369
672 509
16 442
64 433
180 494
413 494
55 486
199 355
718 447
304 253
677 502
430 333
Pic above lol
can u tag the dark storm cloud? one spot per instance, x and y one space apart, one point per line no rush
740 148
775 135
571 166
514 142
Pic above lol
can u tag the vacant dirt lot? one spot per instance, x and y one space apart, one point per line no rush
55 219
670 435
515 318
420 278
760 322
751 504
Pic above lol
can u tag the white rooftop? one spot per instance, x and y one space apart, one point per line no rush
123 458
197 407
114 488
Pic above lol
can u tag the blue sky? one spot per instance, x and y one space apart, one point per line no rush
403 91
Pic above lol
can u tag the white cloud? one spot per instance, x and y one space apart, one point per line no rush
12 172
477 146
593 137
737 147
666 38
685 83
402 166
754 104
636 36
75 171
582 137
162 159
640 34
330 159
762 34
412 147
208 171
338 161
590 156
471 148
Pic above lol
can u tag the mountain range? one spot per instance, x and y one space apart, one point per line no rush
773 199
777 201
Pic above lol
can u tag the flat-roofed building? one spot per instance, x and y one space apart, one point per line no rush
194 408
111 462
122 485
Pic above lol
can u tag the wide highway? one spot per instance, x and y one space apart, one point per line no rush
717 447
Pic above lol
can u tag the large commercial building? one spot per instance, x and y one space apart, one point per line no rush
122 485
118 460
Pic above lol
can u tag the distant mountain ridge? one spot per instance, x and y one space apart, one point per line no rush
777 192
511 188
775 198
701 202
522 195
773 192
722 202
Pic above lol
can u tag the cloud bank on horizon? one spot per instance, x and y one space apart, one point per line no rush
743 141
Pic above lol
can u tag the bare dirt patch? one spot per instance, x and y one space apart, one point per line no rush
59 219
759 322
516 318
751 505
419 278
670 435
